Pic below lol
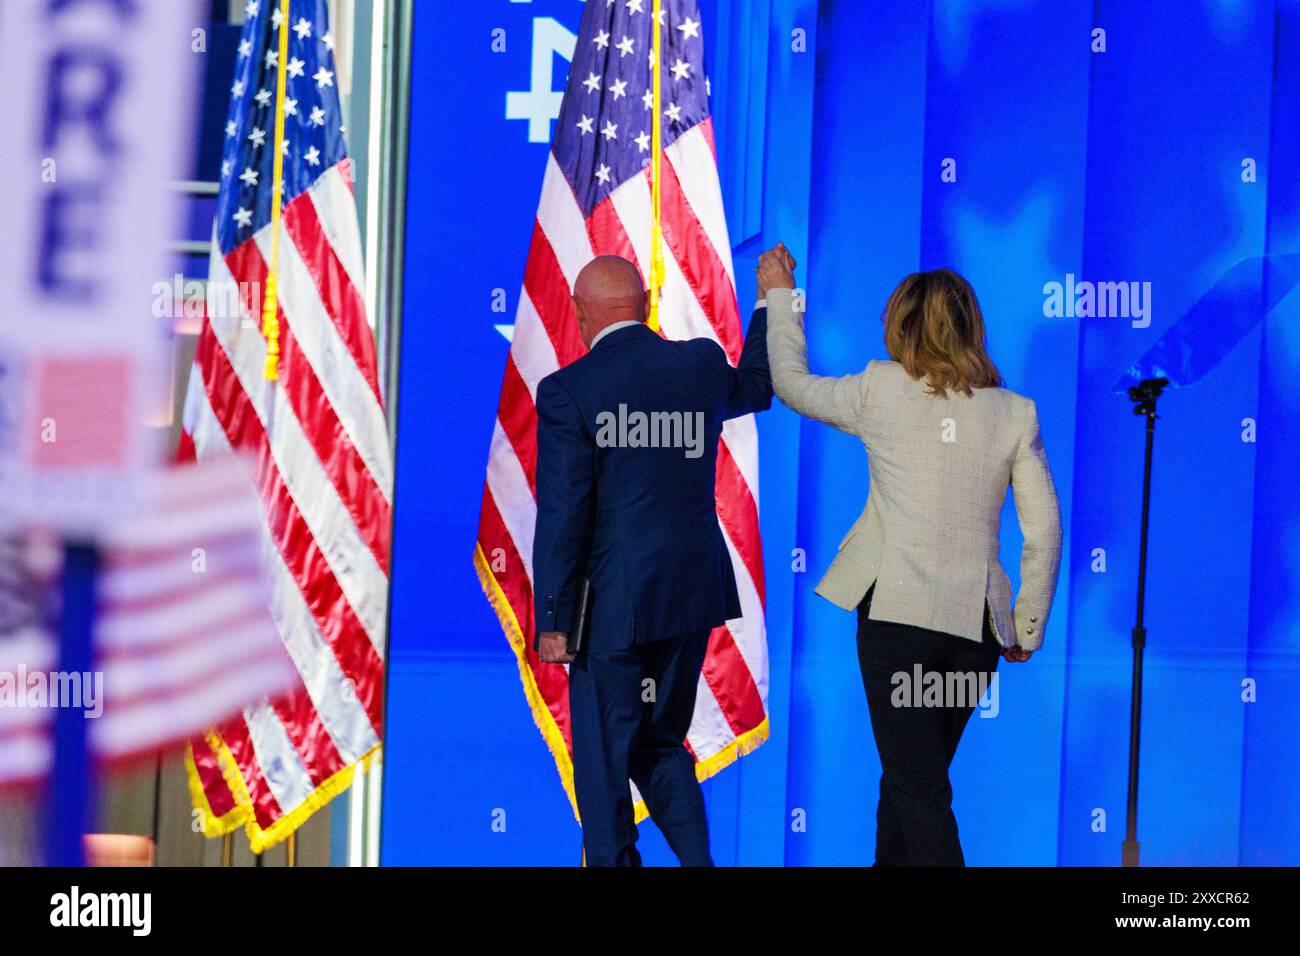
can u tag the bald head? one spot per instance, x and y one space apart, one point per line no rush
608 290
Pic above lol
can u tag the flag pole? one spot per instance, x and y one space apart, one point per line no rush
656 162
70 784
271 302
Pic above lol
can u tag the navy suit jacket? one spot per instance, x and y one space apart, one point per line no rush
639 522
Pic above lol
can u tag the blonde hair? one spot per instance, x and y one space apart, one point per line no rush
935 330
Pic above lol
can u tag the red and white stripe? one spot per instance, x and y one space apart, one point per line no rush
25 747
699 300
324 475
183 637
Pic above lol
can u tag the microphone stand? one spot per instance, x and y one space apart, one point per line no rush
1144 395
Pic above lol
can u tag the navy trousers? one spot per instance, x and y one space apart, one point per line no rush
630 711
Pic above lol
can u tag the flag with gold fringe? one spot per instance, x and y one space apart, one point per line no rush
632 171
285 368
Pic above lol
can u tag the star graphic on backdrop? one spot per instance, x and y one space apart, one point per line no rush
1017 239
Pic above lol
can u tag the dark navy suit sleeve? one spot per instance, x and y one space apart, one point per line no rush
749 385
565 481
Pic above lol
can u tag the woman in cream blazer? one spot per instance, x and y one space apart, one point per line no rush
944 442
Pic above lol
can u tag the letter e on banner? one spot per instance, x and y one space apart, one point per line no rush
103 92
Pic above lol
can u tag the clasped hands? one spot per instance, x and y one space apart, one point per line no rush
775 270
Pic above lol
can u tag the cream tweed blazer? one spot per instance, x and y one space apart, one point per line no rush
939 471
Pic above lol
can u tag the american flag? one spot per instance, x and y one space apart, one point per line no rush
324 467
183 637
595 201
26 647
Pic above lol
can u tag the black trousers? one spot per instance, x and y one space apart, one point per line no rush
630 711
915 825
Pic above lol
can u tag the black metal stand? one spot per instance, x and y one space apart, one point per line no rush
1144 395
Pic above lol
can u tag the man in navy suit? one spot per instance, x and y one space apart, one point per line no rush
627 442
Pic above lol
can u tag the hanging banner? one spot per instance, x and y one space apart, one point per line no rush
100 106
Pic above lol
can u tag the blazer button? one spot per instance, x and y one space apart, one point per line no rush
1029 630
1033 620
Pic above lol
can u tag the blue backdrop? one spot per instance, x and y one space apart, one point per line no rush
1013 142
